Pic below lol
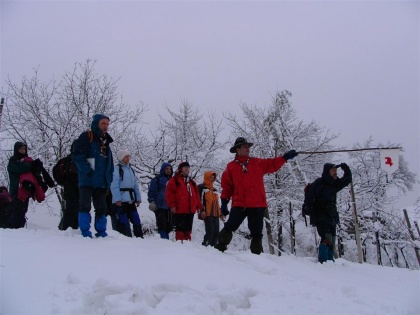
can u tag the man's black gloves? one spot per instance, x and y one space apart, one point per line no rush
290 155
343 166
224 207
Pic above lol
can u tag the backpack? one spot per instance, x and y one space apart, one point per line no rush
59 170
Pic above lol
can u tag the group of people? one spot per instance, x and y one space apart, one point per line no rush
174 197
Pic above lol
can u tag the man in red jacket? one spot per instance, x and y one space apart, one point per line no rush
183 199
243 183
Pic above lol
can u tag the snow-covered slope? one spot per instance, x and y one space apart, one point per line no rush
46 271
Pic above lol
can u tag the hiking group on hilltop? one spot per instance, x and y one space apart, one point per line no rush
88 176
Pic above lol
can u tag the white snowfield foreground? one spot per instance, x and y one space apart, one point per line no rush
54 272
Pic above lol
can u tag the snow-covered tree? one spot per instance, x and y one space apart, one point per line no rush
181 135
49 116
375 191
275 130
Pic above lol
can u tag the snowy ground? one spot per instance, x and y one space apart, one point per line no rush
46 271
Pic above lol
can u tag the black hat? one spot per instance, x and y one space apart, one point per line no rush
238 142
182 164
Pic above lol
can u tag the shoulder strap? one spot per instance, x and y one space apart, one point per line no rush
121 171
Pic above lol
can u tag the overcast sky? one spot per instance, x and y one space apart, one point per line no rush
351 65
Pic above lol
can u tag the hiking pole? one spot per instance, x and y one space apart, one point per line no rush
346 150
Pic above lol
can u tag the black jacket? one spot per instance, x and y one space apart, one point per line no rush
321 197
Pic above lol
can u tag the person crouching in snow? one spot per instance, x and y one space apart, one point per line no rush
183 199
125 197
211 213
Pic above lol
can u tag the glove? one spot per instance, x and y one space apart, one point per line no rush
290 155
152 206
37 164
224 207
342 166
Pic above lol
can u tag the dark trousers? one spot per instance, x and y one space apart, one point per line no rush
87 195
255 220
121 218
183 225
17 217
327 232
212 230
70 215
164 222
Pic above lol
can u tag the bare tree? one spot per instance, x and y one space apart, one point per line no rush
50 116
275 130
185 134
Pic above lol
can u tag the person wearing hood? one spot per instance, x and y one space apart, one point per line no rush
157 201
211 213
183 199
125 197
243 183
321 202
93 158
19 163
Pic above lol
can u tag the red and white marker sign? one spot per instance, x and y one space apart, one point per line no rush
390 159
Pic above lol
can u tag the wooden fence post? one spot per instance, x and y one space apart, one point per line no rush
356 225
268 229
411 234
292 230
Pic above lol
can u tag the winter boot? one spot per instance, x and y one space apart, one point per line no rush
323 253
256 245
225 237
100 226
164 234
84 224
137 231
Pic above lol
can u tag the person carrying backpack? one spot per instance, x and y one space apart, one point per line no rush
95 167
184 201
157 201
321 205
211 213
125 197
65 174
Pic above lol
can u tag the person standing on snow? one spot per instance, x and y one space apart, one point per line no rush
211 213
157 201
125 197
20 165
243 182
183 199
93 158
321 204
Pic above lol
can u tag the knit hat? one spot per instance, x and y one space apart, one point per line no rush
182 164
122 153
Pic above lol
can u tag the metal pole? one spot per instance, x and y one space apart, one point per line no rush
356 225
347 150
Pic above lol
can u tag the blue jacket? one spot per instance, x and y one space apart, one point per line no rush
128 180
157 189
98 172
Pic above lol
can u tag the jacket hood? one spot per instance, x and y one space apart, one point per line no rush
95 124
207 179
17 145
162 169
326 172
